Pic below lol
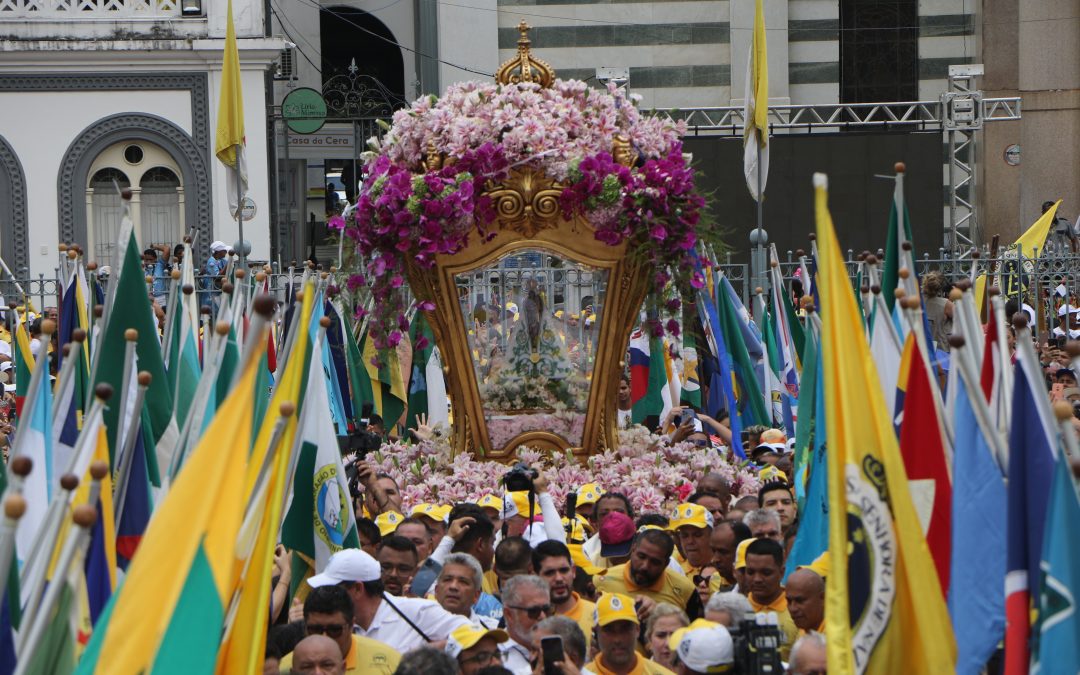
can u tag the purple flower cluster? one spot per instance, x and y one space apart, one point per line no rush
659 215
401 214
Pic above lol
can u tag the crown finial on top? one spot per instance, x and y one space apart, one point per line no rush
524 67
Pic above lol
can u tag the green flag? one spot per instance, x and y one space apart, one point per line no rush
131 309
891 275
320 520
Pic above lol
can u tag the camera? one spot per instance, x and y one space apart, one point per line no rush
757 640
520 478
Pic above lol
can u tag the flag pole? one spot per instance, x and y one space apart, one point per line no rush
240 196
74 549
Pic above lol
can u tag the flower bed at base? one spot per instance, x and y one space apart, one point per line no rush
503 428
655 476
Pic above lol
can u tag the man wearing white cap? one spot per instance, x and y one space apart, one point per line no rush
402 623
215 267
702 647
476 648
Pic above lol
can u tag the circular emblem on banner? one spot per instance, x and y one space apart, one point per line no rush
872 557
330 508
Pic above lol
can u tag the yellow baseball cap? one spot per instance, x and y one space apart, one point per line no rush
771 474
517 504
613 607
490 501
692 515
466 637
432 511
589 493
388 521
740 552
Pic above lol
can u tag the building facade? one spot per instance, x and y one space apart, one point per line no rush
101 94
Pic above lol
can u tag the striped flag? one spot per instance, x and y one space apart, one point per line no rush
648 377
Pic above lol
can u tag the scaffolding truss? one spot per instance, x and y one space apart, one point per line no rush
959 114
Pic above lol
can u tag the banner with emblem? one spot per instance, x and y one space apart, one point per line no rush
319 521
885 612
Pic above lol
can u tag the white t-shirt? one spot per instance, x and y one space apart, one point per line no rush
388 627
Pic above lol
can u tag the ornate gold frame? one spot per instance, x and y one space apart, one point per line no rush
528 216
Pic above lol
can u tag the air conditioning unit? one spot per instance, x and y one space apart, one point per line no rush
286 65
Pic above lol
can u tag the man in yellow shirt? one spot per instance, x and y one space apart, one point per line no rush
328 610
552 562
617 633
805 593
647 574
764 569
693 524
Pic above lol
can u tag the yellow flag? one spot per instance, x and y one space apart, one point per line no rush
245 637
229 142
884 609
1030 245
756 109
195 525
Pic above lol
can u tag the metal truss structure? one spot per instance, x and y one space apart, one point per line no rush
958 114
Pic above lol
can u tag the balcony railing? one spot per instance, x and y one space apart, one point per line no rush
60 10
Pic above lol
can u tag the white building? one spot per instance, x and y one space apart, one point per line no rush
97 91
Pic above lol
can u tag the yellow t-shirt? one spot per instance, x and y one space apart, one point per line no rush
670 587
584 612
643 667
787 625
491 583
365 657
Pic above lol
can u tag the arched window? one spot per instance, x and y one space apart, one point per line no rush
161 196
106 211
157 201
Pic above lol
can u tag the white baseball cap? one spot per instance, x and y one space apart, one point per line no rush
351 564
704 647
218 246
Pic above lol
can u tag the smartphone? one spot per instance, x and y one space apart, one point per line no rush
552 649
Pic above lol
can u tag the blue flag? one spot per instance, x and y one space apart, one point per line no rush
721 379
1057 632
813 537
1032 438
976 601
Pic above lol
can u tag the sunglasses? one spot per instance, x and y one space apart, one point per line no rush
700 579
330 630
702 442
534 612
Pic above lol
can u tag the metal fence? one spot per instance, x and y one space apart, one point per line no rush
1048 278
